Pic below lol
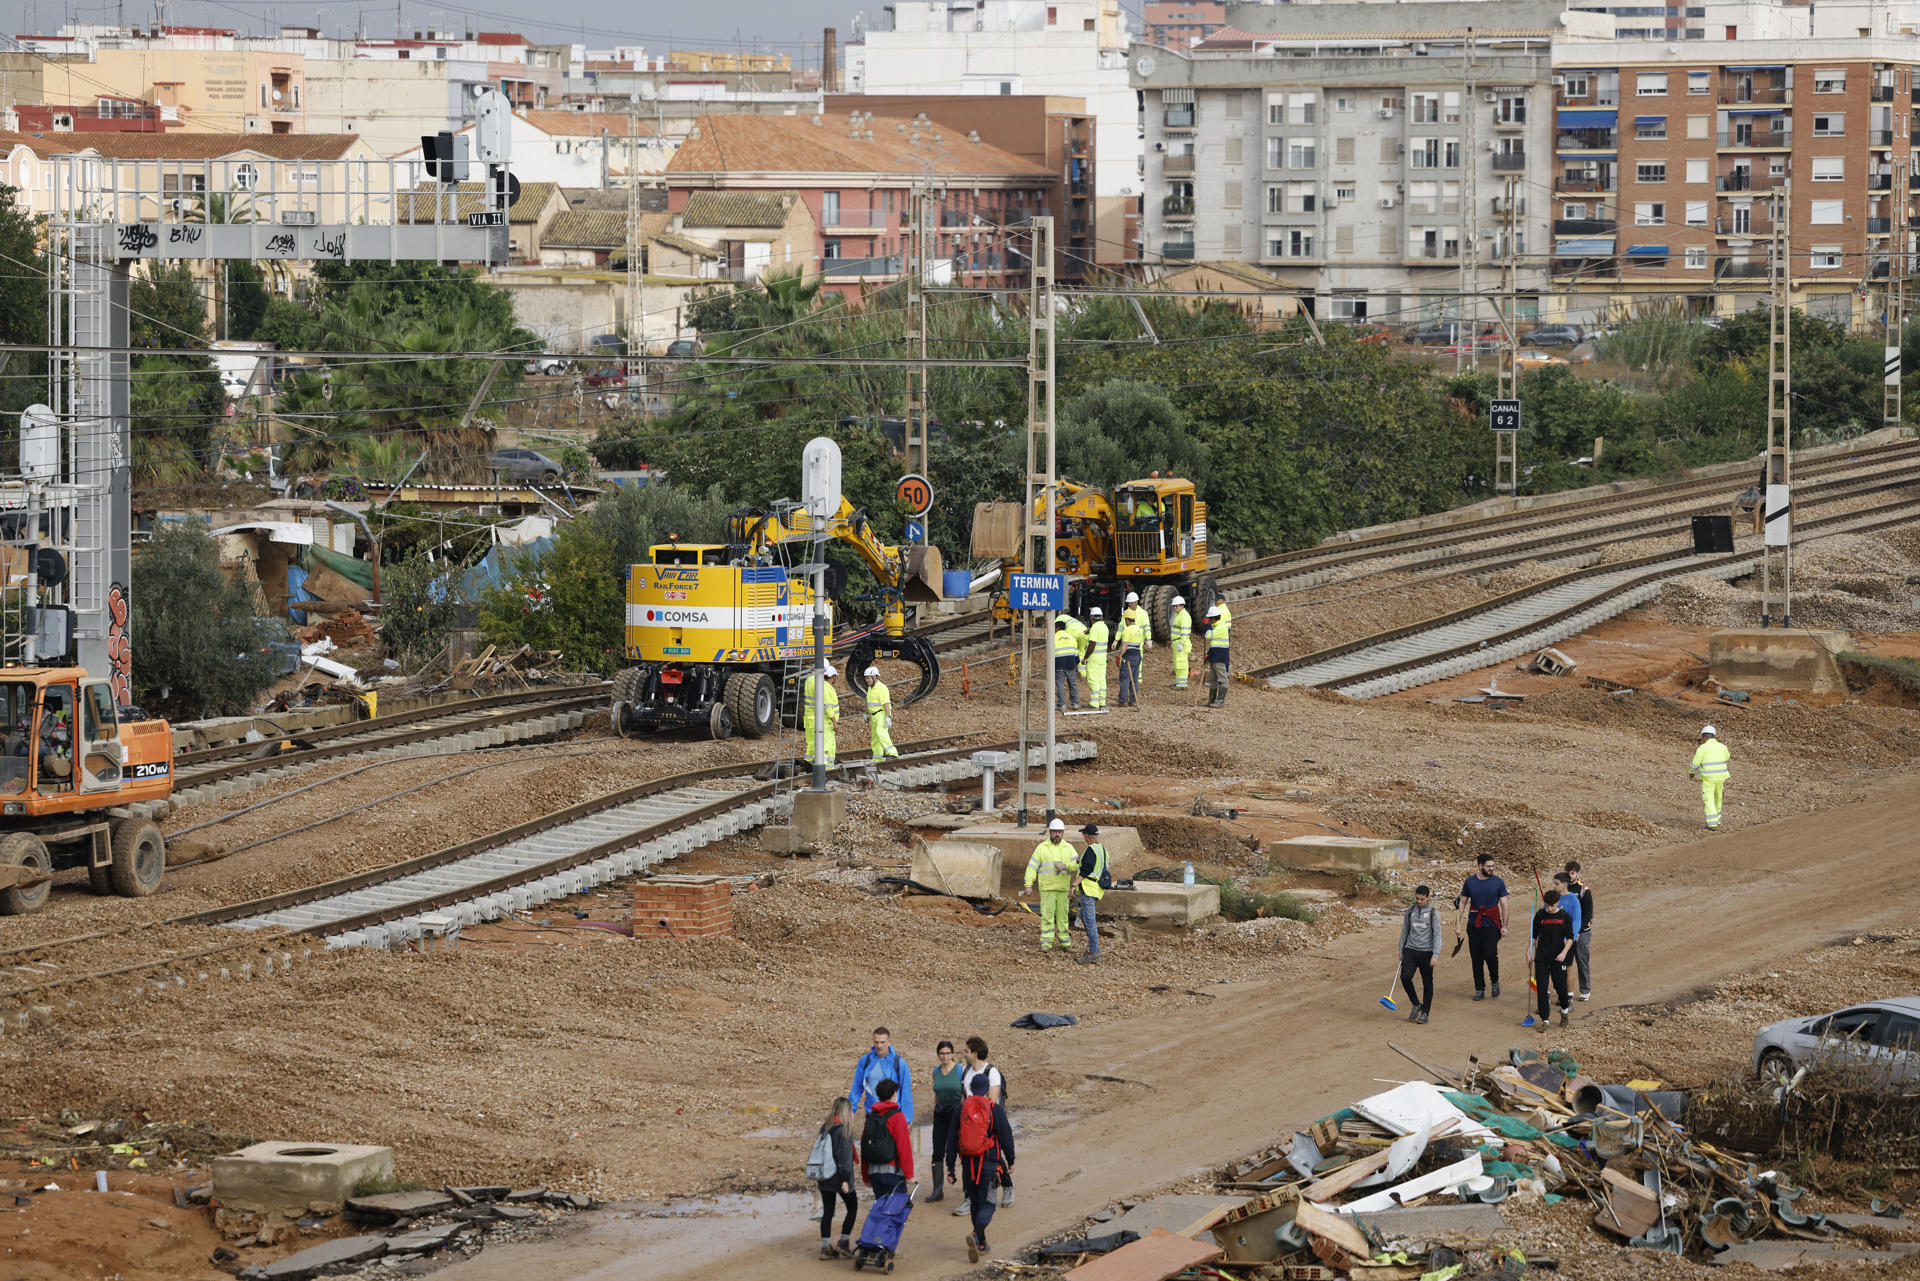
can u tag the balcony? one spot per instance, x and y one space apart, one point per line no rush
1177 164
1756 96
1880 138
1754 139
1179 208
1879 226
1518 123
1509 161
1178 119
1736 228
1586 184
956 218
1587 140
859 268
860 219
1732 269
1181 250
1883 93
1747 180
1879 182
1584 226
1607 268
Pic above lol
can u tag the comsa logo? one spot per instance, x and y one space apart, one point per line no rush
676 616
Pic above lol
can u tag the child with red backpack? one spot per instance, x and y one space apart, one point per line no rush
986 1145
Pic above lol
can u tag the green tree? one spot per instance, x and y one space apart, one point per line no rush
179 406
199 649
23 314
417 606
569 600
1120 431
248 302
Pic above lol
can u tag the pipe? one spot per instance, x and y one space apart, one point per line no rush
984 581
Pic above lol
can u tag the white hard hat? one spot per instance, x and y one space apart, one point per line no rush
872 672
1179 600
1056 826
1212 610
831 671
1707 731
1133 598
1096 613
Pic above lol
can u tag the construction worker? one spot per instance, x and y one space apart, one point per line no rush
1096 662
880 717
1093 887
1216 626
1135 635
830 700
1052 867
1133 611
1180 629
1066 660
1710 767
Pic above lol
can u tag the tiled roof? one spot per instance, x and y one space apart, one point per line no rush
737 209
189 146
796 144
1234 270
685 244
588 123
499 37
471 198
586 229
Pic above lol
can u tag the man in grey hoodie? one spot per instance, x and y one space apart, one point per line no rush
1419 949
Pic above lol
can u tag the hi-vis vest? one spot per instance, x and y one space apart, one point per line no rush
1065 643
1181 628
1053 866
879 699
1217 635
1710 760
829 701
1090 885
1133 632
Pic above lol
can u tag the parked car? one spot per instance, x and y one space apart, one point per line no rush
607 345
523 464
1532 358
602 377
683 349
1443 334
549 365
1884 1035
1553 336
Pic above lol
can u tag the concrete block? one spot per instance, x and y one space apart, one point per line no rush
1016 844
1342 854
290 1176
967 868
817 815
1794 659
326 1257
1164 901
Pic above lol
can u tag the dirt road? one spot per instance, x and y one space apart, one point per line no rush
1242 1070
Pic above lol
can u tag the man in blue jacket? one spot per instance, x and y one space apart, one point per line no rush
882 1063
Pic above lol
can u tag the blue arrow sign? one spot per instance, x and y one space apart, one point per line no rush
1037 591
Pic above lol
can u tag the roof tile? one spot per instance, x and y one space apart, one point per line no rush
188 146
586 229
764 209
796 144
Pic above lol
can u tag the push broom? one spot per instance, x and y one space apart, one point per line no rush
1387 1000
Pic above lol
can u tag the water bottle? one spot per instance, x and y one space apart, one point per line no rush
1186 877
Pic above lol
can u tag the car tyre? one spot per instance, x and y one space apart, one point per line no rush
139 858
1775 1065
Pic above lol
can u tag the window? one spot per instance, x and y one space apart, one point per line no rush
1897 1033
1423 197
830 208
1232 195
1230 238
1651 84
1235 150
1349 308
1830 125
1053 15
1301 109
1453 153
1344 191
1343 239
1426 109
1650 128
1696 213
1828 213
1650 172
1276 198
1300 155
1697 82
1450 107
1574 210
1276 247
1390 151
1828 168
1825 256
1300 243
1650 214
1276 153
1234 106
1276 108
1343 104
1343 151
1302 197
1576 86
1830 81
1743 220
1696 171
1699 126
1424 153
830 249
1511 111
1696 257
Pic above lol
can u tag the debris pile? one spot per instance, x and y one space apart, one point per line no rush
1408 1183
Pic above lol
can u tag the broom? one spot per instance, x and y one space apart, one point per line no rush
1387 1000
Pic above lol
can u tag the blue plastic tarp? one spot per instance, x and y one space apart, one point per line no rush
496 567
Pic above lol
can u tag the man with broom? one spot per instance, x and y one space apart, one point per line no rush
1419 949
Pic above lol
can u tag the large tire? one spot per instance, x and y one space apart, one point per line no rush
26 849
1159 602
1205 593
626 685
720 723
139 858
753 703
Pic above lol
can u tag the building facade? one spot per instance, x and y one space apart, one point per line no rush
1374 157
1176 24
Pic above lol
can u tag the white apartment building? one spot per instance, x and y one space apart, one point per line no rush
1364 153
1076 48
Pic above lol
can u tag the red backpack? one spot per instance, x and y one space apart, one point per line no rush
976 1125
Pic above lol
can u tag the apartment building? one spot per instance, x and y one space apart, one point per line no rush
1360 153
1666 169
1175 24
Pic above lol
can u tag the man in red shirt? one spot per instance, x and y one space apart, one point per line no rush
886 1145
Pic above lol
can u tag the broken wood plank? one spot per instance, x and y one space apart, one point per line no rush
1154 1257
1316 1222
1345 1177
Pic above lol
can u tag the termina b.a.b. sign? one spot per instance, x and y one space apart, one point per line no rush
1037 591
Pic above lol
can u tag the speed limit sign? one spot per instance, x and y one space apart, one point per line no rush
915 493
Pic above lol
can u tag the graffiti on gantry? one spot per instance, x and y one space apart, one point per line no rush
119 645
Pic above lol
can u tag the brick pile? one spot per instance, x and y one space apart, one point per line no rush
689 907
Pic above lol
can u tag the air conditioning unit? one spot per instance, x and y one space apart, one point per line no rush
1387 202
1559 82
1400 147
1492 145
1333 202
1489 96
1386 113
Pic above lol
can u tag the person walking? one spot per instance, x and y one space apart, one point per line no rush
838 1186
830 703
949 1089
1419 949
986 1151
980 1064
1093 884
1134 638
1096 661
1583 940
886 1144
1552 940
878 1065
1180 636
1217 625
1066 660
880 717
1050 868
1710 767
1563 881
1484 899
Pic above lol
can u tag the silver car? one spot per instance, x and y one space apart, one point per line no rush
523 464
1880 1035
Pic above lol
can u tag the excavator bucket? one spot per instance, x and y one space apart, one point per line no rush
923 583
906 649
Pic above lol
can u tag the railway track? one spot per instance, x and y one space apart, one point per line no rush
557 854
220 772
1541 614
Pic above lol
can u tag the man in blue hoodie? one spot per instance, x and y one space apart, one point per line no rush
882 1063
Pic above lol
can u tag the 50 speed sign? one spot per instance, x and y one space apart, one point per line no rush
915 493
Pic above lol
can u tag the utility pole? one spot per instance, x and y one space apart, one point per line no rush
919 260
1506 444
1899 266
1043 492
1470 222
636 340
1776 553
